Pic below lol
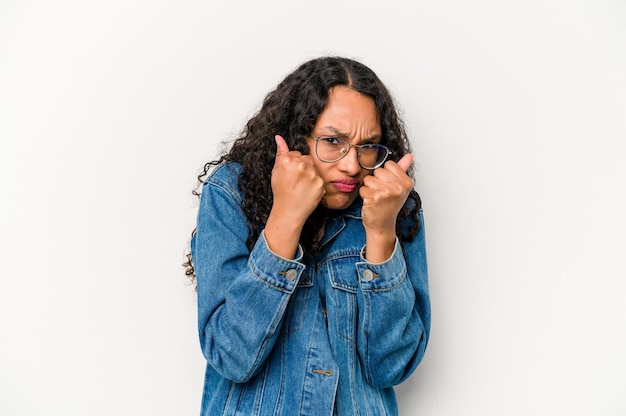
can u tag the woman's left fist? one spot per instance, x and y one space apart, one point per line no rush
384 193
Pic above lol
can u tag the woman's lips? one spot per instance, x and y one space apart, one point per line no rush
346 185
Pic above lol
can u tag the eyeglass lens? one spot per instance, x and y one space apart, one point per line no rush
370 156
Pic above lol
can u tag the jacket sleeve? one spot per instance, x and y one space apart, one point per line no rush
394 310
242 294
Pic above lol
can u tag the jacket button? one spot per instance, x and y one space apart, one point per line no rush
368 275
291 275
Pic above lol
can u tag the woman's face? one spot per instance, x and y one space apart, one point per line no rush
351 116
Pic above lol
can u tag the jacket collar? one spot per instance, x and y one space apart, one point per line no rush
335 223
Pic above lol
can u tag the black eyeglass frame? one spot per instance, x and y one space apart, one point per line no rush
358 151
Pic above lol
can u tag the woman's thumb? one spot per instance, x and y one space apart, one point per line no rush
405 162
281 145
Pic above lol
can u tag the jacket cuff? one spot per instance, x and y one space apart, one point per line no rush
274 270
382 276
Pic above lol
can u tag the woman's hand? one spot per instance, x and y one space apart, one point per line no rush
298 189
297 185
384 193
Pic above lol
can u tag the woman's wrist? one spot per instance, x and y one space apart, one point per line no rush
283 235
379 246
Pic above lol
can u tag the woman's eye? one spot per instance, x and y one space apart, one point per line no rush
368 145
332 140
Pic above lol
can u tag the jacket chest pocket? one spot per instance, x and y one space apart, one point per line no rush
341 299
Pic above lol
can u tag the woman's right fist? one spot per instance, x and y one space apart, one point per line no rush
297 185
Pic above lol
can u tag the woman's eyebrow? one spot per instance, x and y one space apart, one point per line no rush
343 135
337 132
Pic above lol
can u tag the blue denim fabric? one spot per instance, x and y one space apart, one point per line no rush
328 335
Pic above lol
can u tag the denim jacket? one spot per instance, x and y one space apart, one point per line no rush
325 335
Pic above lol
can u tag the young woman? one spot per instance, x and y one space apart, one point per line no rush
309 253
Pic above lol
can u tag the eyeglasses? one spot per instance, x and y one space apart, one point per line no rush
331 149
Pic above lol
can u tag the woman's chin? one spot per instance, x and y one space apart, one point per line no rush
338 202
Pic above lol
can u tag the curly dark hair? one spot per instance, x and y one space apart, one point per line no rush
291 110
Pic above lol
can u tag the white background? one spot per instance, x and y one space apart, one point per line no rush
517 112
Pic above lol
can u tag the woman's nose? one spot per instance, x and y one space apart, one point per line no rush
350 162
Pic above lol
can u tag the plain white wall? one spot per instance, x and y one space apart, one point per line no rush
517 111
